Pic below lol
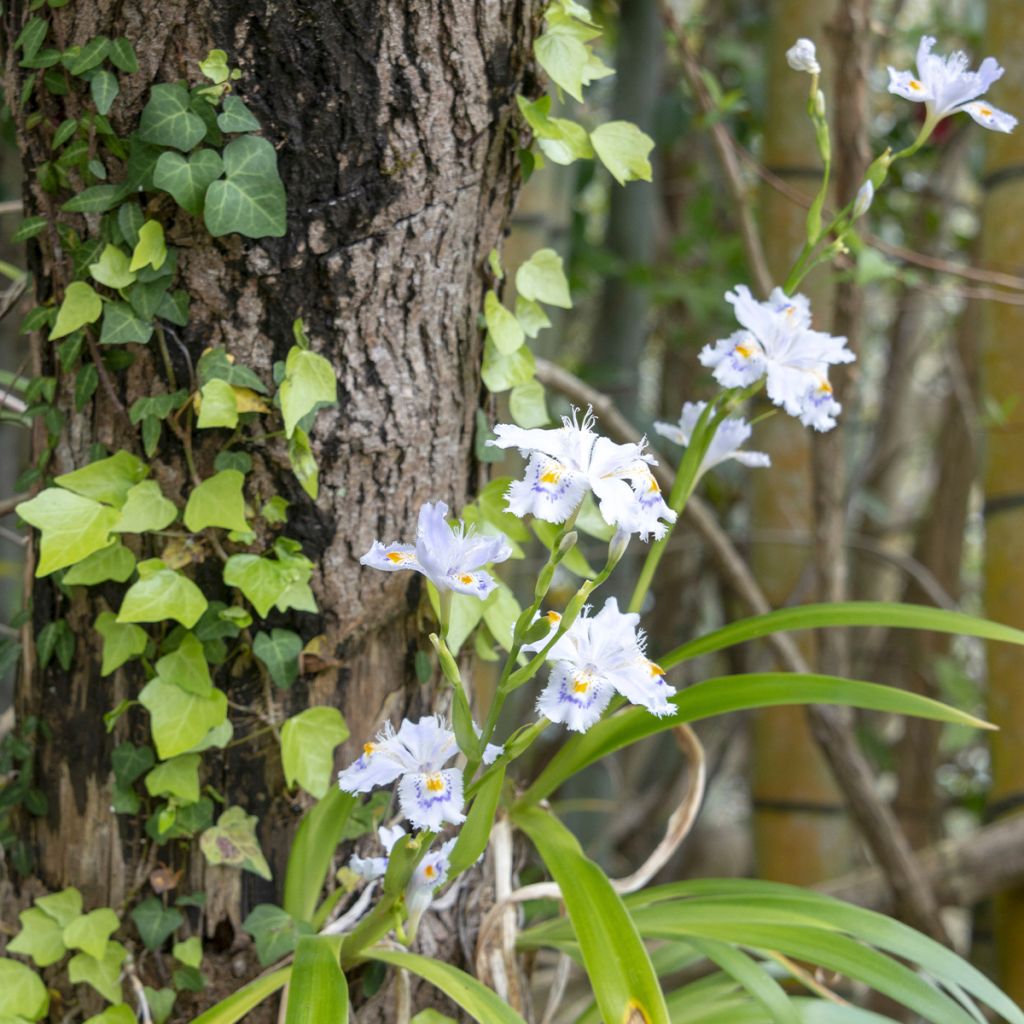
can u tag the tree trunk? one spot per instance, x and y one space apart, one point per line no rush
394 132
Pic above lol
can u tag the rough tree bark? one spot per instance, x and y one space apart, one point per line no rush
393 126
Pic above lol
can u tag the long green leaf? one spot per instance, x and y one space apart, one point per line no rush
480 1002
476 831
734 693
239 1003
752 976
830 950
318 991
843 613
312 851
867 925
617 963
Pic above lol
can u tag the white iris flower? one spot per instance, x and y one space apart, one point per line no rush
945 86
732 432
597 656
449 556
428 793
565 463
802 56
431 872
777 343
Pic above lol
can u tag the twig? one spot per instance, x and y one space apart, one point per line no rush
876 821
7 505
140 992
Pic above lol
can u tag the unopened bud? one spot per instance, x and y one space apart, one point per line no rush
567 543
865 196
819 104
617 546
879 169
802 56
448 665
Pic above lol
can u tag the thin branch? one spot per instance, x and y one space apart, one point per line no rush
874 817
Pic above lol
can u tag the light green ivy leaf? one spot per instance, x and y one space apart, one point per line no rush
505 330
115 563
623 149
269 583
501 372
218 406
111 268
119 1014
527 406
217 501
250 199
162 593
122 641
63 906
108 480
146 509
531 316
564 57
179 720
40 938
151 248
25 995
72 527
178 777
91 931
300 455
186 666
542 279
309 381
102 974
233 841
81 306
308 740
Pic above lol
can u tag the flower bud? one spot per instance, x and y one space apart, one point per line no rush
448 665
617 546
566 545
865 195
802 56
819 104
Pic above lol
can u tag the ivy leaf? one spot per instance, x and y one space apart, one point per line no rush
542 279
275 932
505 330
308 382
270 583
623 149
112 268
81 306
161 1002
501 372
233 841
218 406
72 527
151 249
130 761
115 563
95 199
218 502
108 480
250 199
56 637
40 938
162 593
531 316
29 228
119 1014
91 932
121 641
146 509
63 906
90 56
214 66
179 720
155 922
102 974
187 179
187 667
122 56
564 58
308 740
167 120
300 455
30 39
25 995
103 87
216 364
121 325
178 777
279 650
527 405
236 117
189 952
